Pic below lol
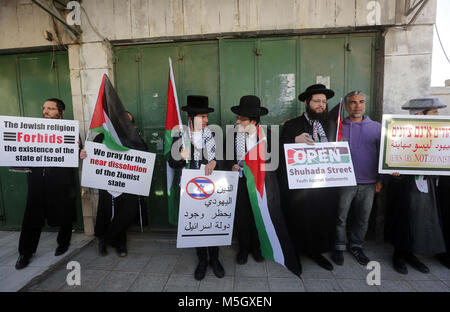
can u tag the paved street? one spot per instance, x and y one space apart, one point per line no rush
154 265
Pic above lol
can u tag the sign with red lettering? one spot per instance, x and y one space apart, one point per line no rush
123 172
415 145
319 166
38 142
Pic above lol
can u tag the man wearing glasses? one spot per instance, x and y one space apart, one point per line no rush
311 213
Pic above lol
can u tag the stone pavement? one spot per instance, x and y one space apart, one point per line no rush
12 280
154 265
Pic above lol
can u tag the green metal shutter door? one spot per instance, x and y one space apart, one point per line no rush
30 79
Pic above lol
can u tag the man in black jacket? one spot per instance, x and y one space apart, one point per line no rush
52 197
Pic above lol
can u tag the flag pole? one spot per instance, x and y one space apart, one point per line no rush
339 120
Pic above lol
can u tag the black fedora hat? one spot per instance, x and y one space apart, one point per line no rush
250 106
316 89
197 104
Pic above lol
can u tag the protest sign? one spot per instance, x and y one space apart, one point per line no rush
415 145
38 142
319 166
207 204
126 172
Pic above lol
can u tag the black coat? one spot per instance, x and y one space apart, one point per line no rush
444 199
51 196
311 214
416 224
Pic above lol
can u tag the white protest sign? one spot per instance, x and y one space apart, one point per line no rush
126 172
319 166
206 208
38 142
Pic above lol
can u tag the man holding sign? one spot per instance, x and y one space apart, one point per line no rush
51 197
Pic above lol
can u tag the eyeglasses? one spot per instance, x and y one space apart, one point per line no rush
242 118
320 101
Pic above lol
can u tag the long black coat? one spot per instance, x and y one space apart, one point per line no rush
416 224
444 199
51 196
310 214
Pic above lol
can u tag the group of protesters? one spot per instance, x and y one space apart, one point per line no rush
318 220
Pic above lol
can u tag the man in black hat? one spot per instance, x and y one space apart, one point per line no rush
248 115
413 203
311 214
200 150
51 197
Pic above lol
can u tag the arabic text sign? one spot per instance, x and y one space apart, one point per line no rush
415 145
126 172
38 142
206 208
319 166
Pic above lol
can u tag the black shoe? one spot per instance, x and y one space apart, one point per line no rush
61 250
22 262
242 256
122 251
102 251
256 253
444 259
323 262
359 255
412 260
400 265
338 257
200 271
217 267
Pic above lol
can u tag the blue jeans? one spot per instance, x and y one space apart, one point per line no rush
362 196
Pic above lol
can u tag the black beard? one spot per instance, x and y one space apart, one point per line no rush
322 117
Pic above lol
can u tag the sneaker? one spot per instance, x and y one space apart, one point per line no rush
359 255
412 260
22 262
61 250
200 271
338 257
217 267
400 265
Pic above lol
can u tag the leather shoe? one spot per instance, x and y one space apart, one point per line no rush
256 253
217 267
122 251
102 248
400 265
242 257
200 271
323 262
22 262
338 257
61 250
444 259
412 260
359 255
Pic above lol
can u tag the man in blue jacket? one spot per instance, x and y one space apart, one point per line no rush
363 136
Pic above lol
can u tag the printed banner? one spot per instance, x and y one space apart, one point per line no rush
38 142
415 145
206 208
125 172
319 166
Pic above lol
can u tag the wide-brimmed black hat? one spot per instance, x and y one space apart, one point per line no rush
250 106
424 103
316 89
197 104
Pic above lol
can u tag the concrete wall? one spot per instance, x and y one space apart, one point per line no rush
404 72
443 93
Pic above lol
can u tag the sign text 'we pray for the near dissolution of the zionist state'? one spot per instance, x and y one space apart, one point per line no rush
38 142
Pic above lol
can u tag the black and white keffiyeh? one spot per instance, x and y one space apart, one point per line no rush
319 134
203 140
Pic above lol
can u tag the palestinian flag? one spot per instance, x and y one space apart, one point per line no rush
339 137
173 119
265 201
111 119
